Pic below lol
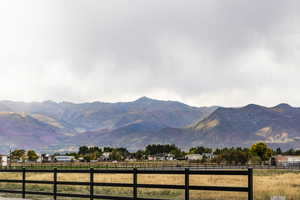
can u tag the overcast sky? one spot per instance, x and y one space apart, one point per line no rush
202 52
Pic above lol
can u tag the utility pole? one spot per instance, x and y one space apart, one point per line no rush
9 156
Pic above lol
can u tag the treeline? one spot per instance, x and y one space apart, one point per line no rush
119 154
22 155
256 154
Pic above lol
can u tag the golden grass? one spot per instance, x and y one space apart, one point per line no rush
207 125
267 183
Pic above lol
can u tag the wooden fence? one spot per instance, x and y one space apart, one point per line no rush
134 185
141 164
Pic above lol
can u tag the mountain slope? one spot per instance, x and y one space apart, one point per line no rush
249 124
51 126
23 131
278 126
94 116
67 124
132 136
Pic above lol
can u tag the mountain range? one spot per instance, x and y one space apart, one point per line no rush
51 126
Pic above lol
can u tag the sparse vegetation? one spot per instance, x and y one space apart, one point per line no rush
259 153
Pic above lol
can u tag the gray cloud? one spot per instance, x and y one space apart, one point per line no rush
203 52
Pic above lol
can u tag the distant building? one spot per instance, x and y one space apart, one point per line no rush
193 157
3 160
161 157
285 161
64 158
105 156
151 158
46 158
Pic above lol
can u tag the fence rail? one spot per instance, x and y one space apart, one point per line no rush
134 185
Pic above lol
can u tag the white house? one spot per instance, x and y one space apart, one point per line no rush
162 156
282 160
193 157
105 156
46 158
3 160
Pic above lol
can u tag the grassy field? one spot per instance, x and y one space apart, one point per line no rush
267 183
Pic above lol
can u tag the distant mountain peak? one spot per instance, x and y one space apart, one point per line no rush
145 99
253 107
283 106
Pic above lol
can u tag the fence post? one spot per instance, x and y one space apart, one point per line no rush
135 183
187 183
91 183
23 182
54 183
250 184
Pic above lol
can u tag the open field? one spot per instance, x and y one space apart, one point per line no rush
267 183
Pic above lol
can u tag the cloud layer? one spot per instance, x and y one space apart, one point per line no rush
205 52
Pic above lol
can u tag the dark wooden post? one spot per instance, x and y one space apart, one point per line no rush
250 184
23 183
135 183
187 183
54 183
91 183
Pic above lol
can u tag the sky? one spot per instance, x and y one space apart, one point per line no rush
201 52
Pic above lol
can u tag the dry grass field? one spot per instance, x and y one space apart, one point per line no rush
267 183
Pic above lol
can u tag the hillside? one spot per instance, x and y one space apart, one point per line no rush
279 126
55 126
23 131
98 115
70 123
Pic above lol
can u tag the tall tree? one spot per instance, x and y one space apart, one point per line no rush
32 155
18 154
261 150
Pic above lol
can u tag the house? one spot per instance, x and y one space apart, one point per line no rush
3 160
161 157
105 156
151 158
64 158
46 158
193 157
285 161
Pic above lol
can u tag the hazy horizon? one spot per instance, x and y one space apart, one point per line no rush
49 100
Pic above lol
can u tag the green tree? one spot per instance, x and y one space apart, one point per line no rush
140 154
32 155
116 155
154 149
278 151
83 150
107 149
177 153
261 150
18 155
90 156
200 150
